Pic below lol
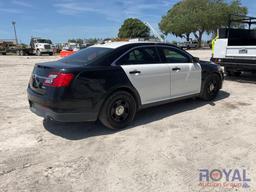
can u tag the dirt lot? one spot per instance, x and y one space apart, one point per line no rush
162 151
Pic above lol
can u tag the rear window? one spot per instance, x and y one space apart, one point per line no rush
86 56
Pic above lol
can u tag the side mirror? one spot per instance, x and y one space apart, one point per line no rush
195 59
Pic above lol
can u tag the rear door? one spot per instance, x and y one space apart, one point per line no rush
185 75
148 75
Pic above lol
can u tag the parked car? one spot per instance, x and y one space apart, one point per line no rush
111 82
192 44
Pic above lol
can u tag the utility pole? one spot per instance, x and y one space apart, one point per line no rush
16 38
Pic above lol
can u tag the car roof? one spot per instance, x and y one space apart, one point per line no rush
115 45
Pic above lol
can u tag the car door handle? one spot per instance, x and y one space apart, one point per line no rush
135 72
176 69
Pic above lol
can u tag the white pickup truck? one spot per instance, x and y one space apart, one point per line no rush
235 49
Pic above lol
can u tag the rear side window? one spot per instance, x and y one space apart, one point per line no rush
173 56
86 56
145 55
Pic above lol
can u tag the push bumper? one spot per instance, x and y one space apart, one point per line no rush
236 63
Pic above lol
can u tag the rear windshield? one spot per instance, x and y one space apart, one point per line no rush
86 56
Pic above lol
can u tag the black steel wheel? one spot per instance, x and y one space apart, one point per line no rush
118 111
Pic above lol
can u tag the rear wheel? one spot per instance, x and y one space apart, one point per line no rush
211 87
118 110
50 54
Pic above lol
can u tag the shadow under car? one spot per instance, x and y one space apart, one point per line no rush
78 131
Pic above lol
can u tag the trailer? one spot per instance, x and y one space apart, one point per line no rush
235 48
7 46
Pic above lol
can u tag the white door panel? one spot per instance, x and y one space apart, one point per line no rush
185 79
153 82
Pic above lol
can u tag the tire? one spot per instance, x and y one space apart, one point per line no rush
50 54
38 53
118 111
211 87
22 53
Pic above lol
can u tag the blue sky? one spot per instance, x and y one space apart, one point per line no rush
60 20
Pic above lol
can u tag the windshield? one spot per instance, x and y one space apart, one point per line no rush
44 41
87 55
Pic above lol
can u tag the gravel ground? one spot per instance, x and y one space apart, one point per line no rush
162 151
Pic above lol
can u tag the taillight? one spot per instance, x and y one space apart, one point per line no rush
59 79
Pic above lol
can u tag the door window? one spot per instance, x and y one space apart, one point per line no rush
173 56
145 55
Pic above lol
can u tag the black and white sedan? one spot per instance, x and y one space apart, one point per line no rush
111 82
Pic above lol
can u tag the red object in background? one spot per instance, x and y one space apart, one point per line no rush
65 53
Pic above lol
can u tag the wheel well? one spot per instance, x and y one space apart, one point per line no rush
129 90
135 95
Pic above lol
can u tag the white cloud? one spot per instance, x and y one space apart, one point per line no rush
115 10
22 3
10 10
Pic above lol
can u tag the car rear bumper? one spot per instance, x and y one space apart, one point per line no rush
61 117
50 109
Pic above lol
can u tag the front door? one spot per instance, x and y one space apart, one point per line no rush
185 75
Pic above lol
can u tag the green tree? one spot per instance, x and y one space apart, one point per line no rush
79 41
133 28
199 16
92 40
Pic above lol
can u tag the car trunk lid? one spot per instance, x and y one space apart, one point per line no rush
45 73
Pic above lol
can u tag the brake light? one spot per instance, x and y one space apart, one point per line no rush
59 79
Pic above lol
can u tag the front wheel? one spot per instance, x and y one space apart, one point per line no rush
211 87
118 110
